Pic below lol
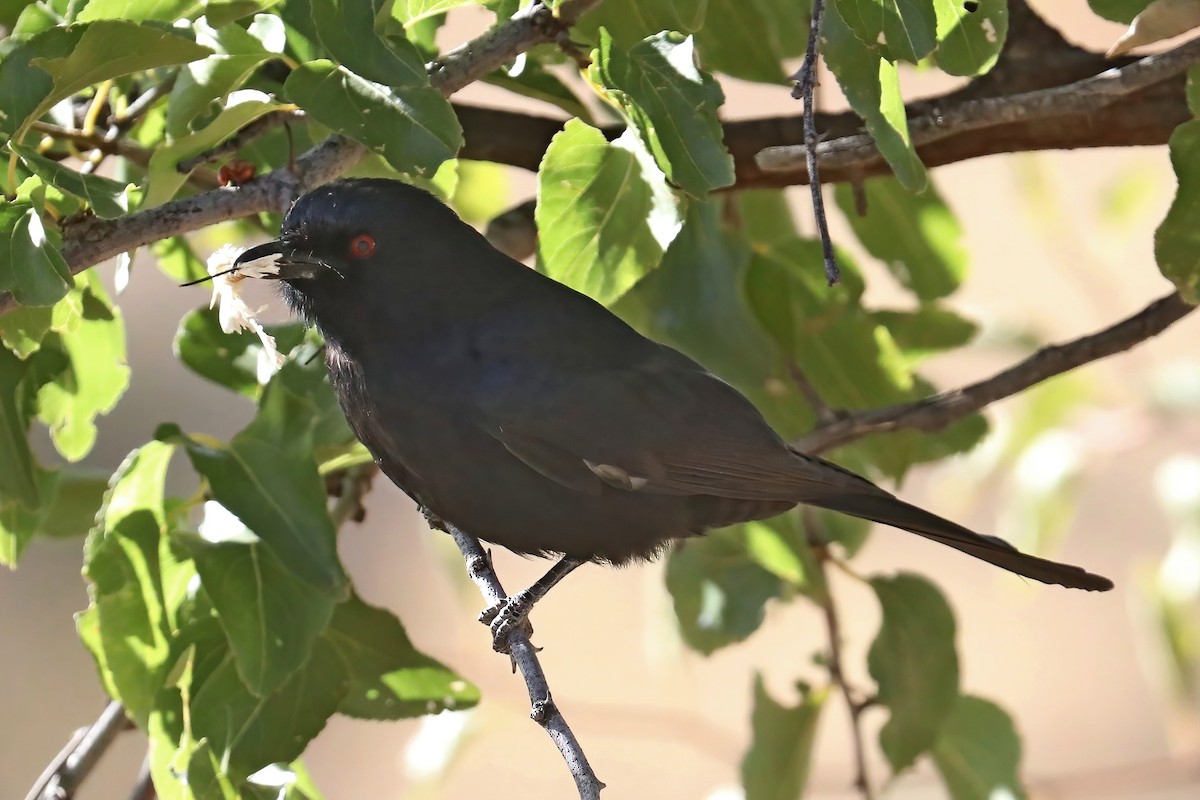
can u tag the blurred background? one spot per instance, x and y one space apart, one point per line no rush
1104 463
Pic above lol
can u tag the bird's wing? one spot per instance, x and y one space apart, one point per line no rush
664 426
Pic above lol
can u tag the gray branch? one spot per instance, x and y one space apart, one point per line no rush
1079 98
67 772
936 412
524 655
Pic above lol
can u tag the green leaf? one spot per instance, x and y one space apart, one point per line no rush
231 360
778 546
696 302
906 29
604 213
62 61
928 330
720 591
979 752
749 39
268 478
222 12
776 765
413 127
138 10
23 328
69 499
163 176
531 79
673 104
410 11
631 21
764 215
389 678
915 235
872 87
178 261
1119 10
271 617
236 54
18 476
252 732
969 42
106 197
31 267
96 375
349 29
129 622
915 664
1177 240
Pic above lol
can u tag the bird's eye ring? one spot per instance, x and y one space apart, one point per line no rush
362 246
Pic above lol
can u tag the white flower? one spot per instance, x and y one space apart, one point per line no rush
232 310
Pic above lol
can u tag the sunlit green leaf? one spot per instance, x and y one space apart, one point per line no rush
177 260
268 478
720 591
777 764
163 175
905 29
631 21
106 197
129 624
251 732
1177 240
349 29
413 127
231 360
410 11
978 752
604 213
138 10
59 62
914 234
96 375
673 104
270 616
389 678
31 267
749 39
928 330
222 12
970 39
236 54
872 87
915 664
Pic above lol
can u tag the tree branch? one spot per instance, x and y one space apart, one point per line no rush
76 761
1078 100
936 412
94 240
524 655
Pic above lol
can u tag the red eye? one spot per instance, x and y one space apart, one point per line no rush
362 246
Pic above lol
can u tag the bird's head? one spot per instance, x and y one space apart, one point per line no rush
351 250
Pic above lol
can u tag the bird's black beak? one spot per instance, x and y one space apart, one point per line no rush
278 261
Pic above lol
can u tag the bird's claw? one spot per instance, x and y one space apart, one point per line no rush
505 617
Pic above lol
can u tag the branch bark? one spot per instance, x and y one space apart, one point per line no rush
77 760
936 412
524 655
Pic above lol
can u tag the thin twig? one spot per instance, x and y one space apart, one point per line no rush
833 628
75 764
824 413
544 711
936 412
241 138
1078 98
807 77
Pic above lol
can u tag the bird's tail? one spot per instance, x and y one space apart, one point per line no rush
890 510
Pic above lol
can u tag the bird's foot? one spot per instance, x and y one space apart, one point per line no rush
506 616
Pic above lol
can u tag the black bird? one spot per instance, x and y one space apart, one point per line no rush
528 415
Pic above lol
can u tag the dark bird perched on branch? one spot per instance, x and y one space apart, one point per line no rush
528 415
